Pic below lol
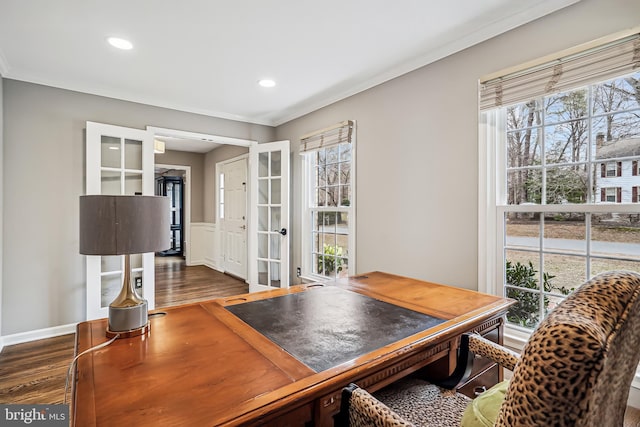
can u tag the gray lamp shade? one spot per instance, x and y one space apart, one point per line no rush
120 225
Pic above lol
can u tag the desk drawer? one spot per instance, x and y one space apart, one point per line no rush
482 382
485 372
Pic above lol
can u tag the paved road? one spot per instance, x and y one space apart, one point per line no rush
608 248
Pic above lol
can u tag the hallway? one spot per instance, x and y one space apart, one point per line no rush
178 284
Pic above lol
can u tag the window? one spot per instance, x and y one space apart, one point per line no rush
328 238
613 169
611 194
564 162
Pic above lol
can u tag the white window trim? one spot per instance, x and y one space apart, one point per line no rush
306 221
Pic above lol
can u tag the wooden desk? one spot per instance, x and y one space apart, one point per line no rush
201 365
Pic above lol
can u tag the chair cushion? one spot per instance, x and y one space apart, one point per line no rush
483 410
424 404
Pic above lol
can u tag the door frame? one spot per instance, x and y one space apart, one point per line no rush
187 207
254 148
218 170
176 133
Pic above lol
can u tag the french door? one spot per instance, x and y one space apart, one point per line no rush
269 220
119 162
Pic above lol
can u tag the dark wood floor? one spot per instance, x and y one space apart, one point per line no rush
35 372
178 284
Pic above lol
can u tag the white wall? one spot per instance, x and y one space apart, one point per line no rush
43 281
417 154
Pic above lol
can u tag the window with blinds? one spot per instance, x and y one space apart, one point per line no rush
566 135
329 219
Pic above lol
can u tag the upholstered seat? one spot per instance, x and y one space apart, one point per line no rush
575 370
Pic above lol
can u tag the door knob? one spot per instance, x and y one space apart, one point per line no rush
283 231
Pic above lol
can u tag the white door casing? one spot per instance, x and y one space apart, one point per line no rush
269 219
234 222
119 160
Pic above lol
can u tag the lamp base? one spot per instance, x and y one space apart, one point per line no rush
128 321
129 334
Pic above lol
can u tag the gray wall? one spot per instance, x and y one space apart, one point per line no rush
417 153
196 161
44 275
220 154
1 192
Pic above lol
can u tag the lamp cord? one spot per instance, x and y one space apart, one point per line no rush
75 359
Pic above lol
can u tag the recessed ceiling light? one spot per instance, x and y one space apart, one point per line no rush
120 43
266 83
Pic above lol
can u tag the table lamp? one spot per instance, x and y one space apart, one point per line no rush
125 225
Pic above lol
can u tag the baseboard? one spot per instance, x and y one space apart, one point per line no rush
634 393
195 262
211 263
38 334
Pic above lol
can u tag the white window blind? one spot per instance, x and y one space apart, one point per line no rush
597 64
327 137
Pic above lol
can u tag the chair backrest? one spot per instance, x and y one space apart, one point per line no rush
577 367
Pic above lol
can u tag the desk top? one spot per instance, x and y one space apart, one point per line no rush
328 326
202 365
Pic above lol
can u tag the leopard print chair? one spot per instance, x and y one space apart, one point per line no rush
575 370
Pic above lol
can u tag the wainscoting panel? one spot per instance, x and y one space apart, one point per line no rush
205 245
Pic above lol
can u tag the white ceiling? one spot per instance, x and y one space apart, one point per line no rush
206 56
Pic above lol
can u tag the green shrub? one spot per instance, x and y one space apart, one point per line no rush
527 311
331 260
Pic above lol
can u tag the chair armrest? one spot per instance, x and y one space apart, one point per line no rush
360 409
499 354
471 344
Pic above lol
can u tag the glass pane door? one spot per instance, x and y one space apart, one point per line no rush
119 162
270 195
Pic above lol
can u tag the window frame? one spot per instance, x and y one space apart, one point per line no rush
493 207
308 211
491 236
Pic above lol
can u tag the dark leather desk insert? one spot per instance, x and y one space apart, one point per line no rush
327 326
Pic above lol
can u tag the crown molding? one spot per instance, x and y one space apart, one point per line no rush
537 10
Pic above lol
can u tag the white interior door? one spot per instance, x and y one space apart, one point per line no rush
119 161
233 199
269 225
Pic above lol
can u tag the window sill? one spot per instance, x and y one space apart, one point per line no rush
305 279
